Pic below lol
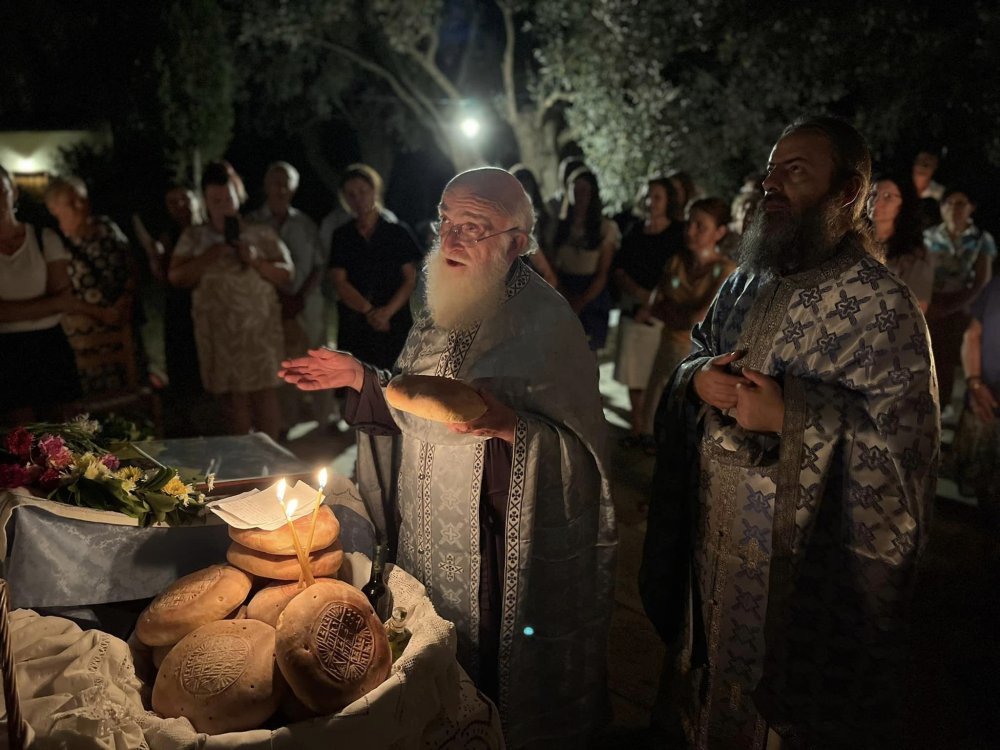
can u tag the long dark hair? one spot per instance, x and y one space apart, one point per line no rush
907 235
667 184
595 211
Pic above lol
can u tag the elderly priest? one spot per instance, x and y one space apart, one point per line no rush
506 518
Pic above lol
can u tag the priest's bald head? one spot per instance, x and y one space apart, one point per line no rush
485 221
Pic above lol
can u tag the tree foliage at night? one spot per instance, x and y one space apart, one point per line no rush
640 86
706 85
422 64
194 89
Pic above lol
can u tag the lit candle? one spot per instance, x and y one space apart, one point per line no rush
289 509
319 502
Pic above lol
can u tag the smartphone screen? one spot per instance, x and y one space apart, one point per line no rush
232 229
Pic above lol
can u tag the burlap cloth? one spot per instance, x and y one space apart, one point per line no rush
80 689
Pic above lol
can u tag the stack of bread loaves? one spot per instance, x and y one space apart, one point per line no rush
227 667
271 554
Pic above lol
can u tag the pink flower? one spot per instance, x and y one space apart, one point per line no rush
19 443
56 453
49 480
13 475
111 461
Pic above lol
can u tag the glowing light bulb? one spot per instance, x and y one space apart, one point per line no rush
470 127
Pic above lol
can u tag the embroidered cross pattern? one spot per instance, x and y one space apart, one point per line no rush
886 320
450 568
848 307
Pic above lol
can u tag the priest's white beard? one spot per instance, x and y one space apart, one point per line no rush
461 297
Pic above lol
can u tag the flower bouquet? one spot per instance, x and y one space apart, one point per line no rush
72 463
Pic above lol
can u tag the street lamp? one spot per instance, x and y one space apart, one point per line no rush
470 127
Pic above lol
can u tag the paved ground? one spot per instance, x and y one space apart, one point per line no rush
953 685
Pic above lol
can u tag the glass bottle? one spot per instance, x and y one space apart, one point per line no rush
375 590
399 634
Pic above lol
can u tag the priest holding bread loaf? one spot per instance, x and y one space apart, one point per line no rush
482 454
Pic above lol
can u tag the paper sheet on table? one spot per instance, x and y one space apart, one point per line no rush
260 509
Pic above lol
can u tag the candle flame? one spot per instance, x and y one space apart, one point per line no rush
290 507
322 478
282 486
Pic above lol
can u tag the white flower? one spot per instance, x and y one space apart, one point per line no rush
84 423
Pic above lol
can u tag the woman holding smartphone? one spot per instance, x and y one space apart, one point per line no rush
234 269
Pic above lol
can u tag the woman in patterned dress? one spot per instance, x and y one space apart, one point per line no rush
100 272
234 305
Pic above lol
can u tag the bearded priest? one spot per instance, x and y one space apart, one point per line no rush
507 520
798 453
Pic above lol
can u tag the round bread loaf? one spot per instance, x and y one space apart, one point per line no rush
324 562
222 677
279 541
197 598
159 653
435 398
331 647
268 603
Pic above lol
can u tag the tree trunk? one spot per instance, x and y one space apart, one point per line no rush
537 146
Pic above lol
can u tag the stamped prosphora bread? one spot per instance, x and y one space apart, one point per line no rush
268 603
331 647
435 398
324 562
222 677
198 598
279 541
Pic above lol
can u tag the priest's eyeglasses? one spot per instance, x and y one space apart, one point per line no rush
467 232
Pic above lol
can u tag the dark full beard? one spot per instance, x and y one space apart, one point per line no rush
777 244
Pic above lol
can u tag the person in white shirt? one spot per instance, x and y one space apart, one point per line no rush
37 366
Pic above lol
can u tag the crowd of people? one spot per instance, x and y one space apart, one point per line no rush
659 263
789 356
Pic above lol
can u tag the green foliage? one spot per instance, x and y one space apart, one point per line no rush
707 85
195 91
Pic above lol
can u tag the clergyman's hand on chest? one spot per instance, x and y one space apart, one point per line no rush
715 385
760 403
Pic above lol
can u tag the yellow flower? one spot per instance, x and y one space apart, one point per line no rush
177 488
91 466
129 477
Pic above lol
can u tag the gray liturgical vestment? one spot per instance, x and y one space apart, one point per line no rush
559 533
780 567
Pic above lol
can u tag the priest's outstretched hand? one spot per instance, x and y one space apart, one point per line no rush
499 421
760 404
323 368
